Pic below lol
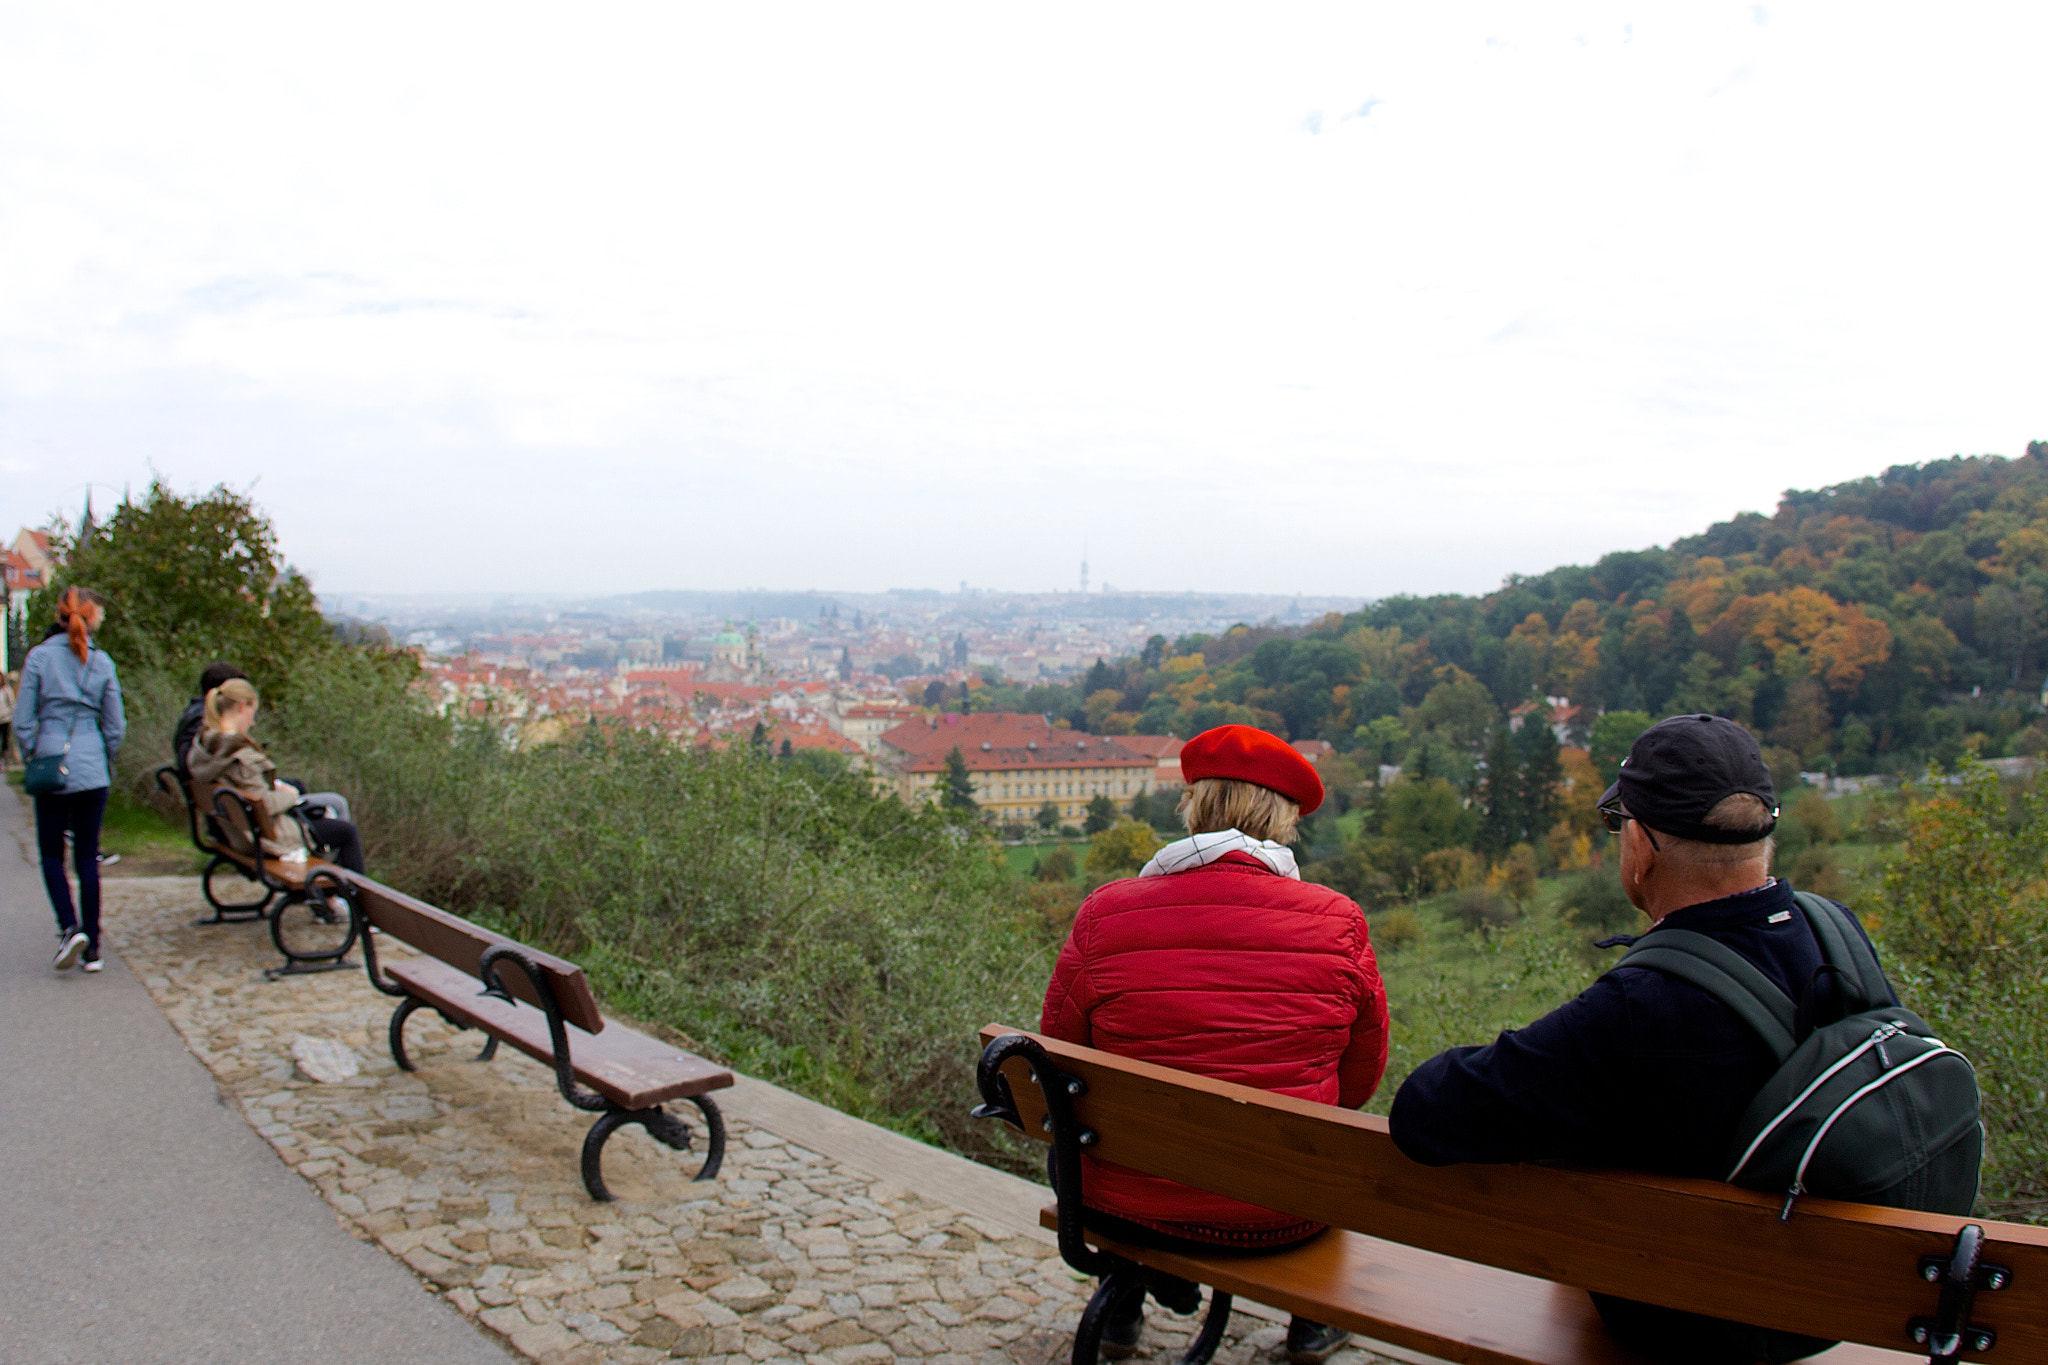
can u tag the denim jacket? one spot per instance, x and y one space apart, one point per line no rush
62 699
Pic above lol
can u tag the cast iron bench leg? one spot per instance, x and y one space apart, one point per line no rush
241 910
664 1128
1116 1292
397 1031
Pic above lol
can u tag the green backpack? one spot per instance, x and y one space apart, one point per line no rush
1871 1108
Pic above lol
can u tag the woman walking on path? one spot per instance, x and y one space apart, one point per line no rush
70 706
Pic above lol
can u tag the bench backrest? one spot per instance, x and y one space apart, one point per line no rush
461 944
1844 1271
230 816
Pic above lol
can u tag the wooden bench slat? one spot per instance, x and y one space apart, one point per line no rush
1441 1306
461 944
630 1069
1698 1245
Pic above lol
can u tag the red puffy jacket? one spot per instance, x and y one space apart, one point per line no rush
1230 971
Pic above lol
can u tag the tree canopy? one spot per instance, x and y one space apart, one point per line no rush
193 579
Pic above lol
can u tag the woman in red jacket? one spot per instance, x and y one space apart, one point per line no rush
1218 959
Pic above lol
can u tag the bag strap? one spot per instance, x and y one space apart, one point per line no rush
1726 975
1844 949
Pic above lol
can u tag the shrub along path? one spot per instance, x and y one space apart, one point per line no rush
144 1222
825 1240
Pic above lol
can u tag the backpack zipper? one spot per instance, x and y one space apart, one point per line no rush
1799 1176
1874 1040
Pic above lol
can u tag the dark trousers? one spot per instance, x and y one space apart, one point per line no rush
77 813
341 838
338 837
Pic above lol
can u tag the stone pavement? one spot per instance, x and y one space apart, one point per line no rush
143 1222
821 1241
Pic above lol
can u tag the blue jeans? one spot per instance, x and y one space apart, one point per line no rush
77 813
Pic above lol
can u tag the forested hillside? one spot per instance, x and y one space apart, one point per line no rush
1866 627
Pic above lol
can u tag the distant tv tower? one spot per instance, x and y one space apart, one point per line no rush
1084 566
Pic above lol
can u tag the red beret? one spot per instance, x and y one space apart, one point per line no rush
1243 754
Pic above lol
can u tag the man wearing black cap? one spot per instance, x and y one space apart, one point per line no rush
1642 1070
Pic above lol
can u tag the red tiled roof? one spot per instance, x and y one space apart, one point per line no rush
1005 741
1159 746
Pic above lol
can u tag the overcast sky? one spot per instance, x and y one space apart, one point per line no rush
1362 299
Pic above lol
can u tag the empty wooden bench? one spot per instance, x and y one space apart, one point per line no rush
297 896
542 1005
1491 1264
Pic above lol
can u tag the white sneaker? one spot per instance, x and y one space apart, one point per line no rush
93 964
67 953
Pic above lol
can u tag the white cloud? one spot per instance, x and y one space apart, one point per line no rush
505 297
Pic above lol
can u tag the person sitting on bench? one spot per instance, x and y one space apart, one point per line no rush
312 805
224 754
1218 959
1643 1071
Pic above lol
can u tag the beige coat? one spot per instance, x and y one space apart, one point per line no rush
234 761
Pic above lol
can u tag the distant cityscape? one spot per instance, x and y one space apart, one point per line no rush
867 676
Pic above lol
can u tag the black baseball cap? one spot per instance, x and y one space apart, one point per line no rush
1681 768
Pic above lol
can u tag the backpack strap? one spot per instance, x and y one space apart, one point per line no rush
1726 975
1844 949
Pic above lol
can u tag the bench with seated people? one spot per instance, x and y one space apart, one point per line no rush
1493 1263
542 1005
298 893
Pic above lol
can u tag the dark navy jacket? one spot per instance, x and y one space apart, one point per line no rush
1639 1071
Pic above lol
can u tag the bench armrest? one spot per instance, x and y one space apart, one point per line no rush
487 969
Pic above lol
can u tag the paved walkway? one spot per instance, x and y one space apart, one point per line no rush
826 1240
144 1221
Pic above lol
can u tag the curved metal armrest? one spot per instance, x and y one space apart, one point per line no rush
1069 1135
558 1030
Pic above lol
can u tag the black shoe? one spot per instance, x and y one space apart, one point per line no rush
1120 1333
69 945
1311 1343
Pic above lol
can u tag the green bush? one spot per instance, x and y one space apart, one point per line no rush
1963 912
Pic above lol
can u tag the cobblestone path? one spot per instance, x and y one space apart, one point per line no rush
468 1173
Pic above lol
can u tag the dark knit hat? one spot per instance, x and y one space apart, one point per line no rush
1244 754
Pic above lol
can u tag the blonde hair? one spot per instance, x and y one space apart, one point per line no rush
233 692
1218 803
1741 812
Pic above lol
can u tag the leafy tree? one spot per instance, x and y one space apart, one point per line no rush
1048 816
1613 735
1101 815
1963 909
1121 849
194 579
956 784
935 693
1423 815
1056 866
